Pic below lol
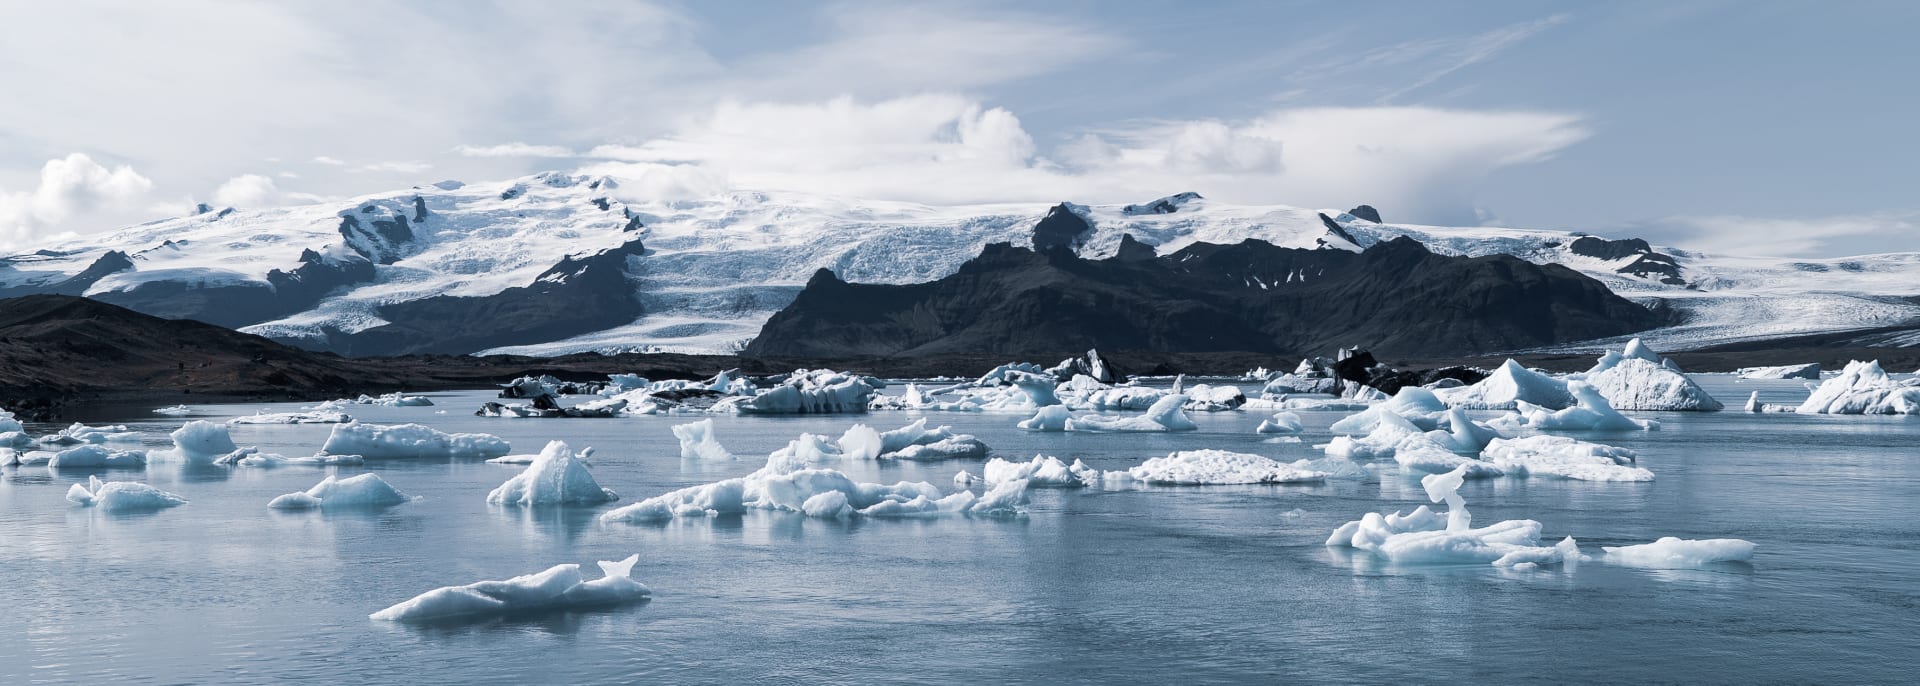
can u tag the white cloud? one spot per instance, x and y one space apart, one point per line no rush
68 187
329 161
398 167
247 190
514 149
1847 234
1412 161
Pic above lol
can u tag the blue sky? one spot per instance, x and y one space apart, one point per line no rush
1765 127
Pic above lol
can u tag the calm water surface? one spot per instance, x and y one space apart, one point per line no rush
1194 584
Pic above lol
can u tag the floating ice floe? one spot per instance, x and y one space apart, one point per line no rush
381 442
174 411
1282 422
1041 471
8 424
196 441
252 457
360 491
1754 405
395 399
911 442
789 483
1208 398
121 496
1809 371
1051 418
1166 414
1680 553
556 477
308 417
97 457
560 587
1638 379
1863 388
1506 388
1419 406
1566 458
697 441
818 391
1218 467
1425 537
1590 413
81 434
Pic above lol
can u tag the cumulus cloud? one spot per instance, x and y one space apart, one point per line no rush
247 190
69 187
329 161
514 149
1846 234
395 166
1421 162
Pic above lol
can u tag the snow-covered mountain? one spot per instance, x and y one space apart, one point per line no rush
556 263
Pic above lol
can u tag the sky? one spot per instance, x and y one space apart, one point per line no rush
1750 127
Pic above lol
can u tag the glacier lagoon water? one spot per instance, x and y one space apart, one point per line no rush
1194 584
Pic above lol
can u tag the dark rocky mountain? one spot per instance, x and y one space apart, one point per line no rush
1396 297
1647 265
1366 212
1061 228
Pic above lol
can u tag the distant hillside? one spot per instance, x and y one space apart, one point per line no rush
1394 298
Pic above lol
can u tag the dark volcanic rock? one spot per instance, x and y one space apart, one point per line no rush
1336 229
1655 266
1166 205
576 296
1061 228
379 233
1395 297
1647 263
1131 250
1366 212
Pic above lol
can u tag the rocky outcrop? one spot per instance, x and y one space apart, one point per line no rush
1395 297
1061 228
1646 264
1366 212
1166 205
1131 250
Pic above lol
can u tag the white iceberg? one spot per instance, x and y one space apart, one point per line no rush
174 411
1809 371
818 391
1418 406
121 496
8 424
1680 553
1638 379
310 417
1423 537
556 477
1166 414
380 442
1282 422
1590 413
79 434
1209 398
1041 471
361 491
911 442
1219 467
1566 458
560 587
252 457
197 441
1864 388
697 442
97 457
1050 418
1506 388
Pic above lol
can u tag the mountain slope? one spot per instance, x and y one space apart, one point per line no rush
1395 297
458 268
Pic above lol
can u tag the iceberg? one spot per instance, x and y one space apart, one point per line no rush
1050 418
8 424
361 491
1207 398
1566 458
560 587
1418 406
1282 422
380 442
1219 467
1809 371
174 411
1424 537
121 496
819 391
1863 388
97 457
1508 386
1591 413
556 477
395 399
252 457
79 434
1041 471
911 442
697 442
1166 414
197 441
1680 553
310 417
1638 379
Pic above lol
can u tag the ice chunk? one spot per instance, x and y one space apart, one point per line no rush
1508 386
1592 413
1422 538
78 434
252 457
121 496
560 587
1864 388
1201 467
8 424
1049 418
1420 454
1004 499
1638 379
556 477
1208 398
1810 371
1566 458
174 411
820 391
964 479
1418 406
1282 422
380 442
697 442
360 491
97 457
311 417
197 441
1041 471
1166 414
911 442
1680 553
